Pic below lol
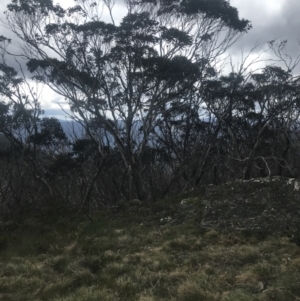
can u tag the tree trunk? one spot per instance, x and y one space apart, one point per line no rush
247 173
138 182
252 154
281 161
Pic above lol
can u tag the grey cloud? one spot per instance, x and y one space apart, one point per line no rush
14 47
60 100
268 23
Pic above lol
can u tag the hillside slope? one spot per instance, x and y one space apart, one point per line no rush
148 252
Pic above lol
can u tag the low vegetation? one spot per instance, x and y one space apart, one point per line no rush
159 115
118 257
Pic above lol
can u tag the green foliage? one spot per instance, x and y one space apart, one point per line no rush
216 9
30 7
50 133
177 37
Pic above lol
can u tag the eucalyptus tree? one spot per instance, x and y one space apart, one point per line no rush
124 72
258 112
187 133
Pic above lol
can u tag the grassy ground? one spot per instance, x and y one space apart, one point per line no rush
118 257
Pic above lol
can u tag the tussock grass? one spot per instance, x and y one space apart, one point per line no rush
116 258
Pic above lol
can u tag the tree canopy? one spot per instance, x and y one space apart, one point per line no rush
129 70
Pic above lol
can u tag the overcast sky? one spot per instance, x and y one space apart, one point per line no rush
271 19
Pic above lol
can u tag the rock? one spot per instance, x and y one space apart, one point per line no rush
165 220
183 202
260 285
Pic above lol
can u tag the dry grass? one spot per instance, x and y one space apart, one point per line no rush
117 260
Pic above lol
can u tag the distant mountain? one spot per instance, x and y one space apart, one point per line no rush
73 129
